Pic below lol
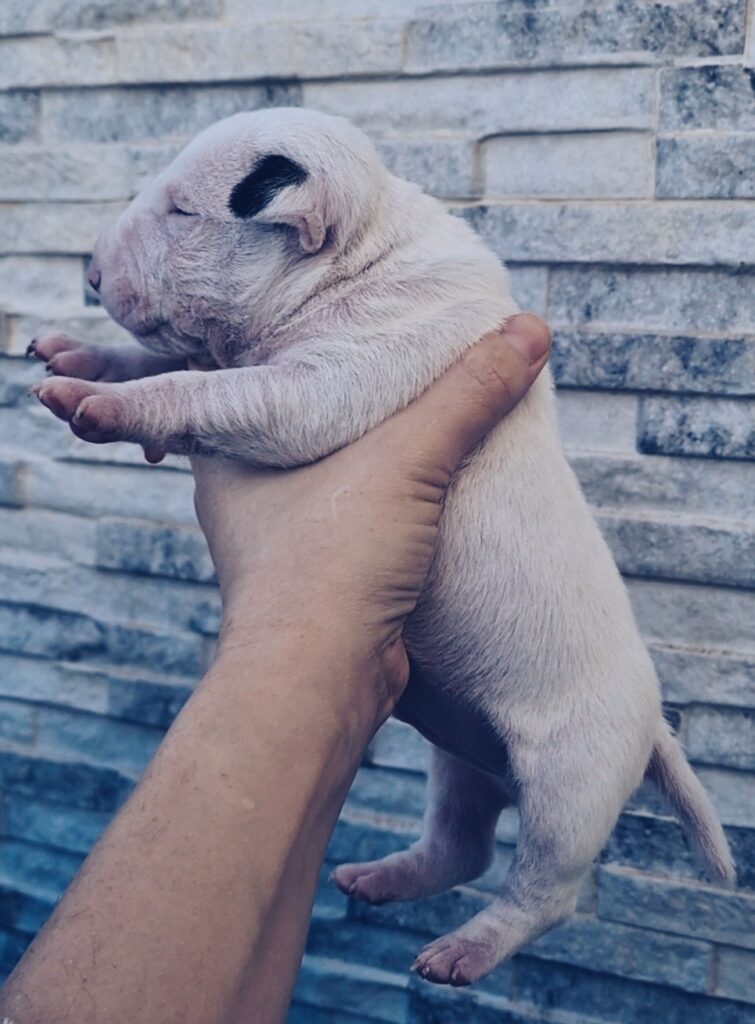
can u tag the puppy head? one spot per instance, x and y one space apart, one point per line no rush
254 200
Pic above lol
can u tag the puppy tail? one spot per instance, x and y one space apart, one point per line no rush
669 769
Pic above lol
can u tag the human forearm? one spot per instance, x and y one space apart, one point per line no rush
209 870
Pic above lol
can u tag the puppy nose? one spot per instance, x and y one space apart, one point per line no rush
94 277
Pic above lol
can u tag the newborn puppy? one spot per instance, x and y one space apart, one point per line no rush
327 294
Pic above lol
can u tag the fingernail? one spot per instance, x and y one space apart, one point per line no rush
529 335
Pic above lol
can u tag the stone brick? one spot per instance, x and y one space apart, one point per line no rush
63 782
529 286
706 167
126 746
82 173
113 115
682 908
722 736
733 793
349 987
44 870
48 824
588 419
90 325
23 911
397 745
11 481
37 679
671 549
564 166
696 426
45 532
546 101
335 936
433 1004
362 835
18 722
150 702
16 377
388 791
178 552
301 49
636 233
618 1000
653 362
736 975
19 112
62 229
20 16
28 63
49 283
690 675
711 617
445 166
499 35
631 952
652 843
691 486
718 98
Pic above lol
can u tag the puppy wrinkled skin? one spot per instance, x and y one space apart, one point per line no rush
326 294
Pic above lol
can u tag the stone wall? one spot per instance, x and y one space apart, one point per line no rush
606 149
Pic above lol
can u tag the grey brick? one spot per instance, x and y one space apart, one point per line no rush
28 16
636 233
126 746
397 745
736 975
733 793
63 782
653 362
16 377
44 870
690 675
497 35
432 1004
18 115
40 283
361 835
689 486
682 908
652 843
546 101
388 791
23 911
653 299
712 617
706 167
722 736
672 549
74 173
11 482
597 421
49 824
715 98
149 701
67 537
113 114
36 679
13 945
529 286
582 165
300 49
27 63
445 166
177 552
58 228
696 426
18 722
349 987
333 935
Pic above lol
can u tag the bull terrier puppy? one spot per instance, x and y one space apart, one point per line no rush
326 294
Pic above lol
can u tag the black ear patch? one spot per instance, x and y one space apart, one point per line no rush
261 185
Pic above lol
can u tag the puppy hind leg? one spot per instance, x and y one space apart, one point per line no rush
457 842
563 827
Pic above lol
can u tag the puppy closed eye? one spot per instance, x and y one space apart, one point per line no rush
179 212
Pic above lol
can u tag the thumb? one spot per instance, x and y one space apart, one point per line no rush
463 405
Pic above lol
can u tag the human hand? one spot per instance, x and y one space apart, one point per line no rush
340 548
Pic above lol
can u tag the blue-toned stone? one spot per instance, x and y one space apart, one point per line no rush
716 98
18 722
722 736
682 908
653 362
38 821
178 552
40 869
11 487
689 675
23 911
126 746
502 34
66 782
19 112
720 428
19 17
146 701
706 167
736 975
13 945
351 987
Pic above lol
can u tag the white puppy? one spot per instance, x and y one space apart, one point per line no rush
328 294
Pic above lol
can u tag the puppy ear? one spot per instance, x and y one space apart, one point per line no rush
266 195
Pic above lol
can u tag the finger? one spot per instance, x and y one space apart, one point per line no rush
453 415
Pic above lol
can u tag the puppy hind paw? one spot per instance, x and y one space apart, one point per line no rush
454 960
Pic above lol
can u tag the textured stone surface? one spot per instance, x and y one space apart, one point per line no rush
723 736
597 421
706 167
445 166
177 552
555 100
718 98
26 16
691 675
579 165
498 34
697 426
665 233
18 115
30 62
736 975
653 362
65 229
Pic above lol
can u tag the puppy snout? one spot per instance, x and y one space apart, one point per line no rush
94 276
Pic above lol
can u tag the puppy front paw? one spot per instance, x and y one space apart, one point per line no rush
66 357
95 412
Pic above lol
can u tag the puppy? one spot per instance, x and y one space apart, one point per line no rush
327 294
